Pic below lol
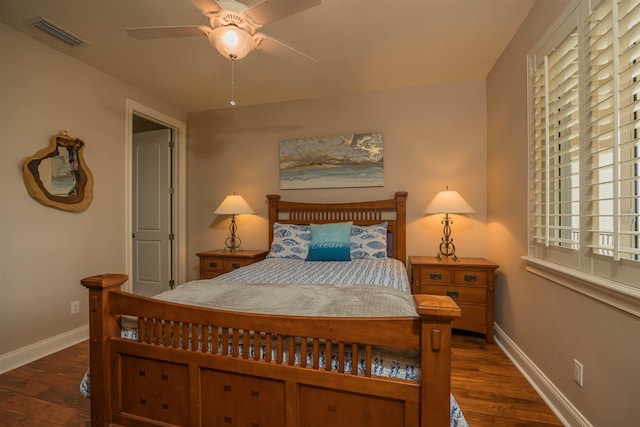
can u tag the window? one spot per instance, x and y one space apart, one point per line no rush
584 162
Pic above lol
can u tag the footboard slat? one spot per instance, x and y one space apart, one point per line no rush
224 344
157 332
354 356
291 350
175 334
246 343
327 355
341 357
235 341
184 337
256 346
303 350
316 353
279 350
267 348
205 339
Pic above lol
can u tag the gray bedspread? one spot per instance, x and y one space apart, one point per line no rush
295 299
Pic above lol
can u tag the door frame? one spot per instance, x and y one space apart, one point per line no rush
179 217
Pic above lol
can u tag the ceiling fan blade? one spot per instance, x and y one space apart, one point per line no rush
270 45
208 7
267 11
145 33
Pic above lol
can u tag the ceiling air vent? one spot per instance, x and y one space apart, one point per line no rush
56 31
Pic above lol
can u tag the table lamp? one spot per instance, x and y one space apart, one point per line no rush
448 202
233 205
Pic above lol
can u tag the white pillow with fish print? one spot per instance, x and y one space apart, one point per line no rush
290 241
369 241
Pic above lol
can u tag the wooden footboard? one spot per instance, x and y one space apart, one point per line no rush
191 366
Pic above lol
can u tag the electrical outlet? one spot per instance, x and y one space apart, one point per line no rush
578 372
75 307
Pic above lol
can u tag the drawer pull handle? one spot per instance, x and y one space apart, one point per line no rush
452 294
235 265
213 264
435 276
470 278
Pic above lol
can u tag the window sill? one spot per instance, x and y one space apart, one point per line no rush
618 295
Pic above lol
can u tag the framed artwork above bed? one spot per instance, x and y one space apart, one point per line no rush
353 160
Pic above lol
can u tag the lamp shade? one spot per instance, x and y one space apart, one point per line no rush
232 42
233 204
448 202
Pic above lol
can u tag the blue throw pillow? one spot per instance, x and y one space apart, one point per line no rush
330 242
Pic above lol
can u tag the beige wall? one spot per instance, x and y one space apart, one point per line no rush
44 251
433 137
551 324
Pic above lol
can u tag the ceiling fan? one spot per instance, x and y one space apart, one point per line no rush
233 26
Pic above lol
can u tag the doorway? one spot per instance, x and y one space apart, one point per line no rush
151 208
155 201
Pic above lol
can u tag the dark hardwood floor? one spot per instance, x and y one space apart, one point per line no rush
46 392
488 388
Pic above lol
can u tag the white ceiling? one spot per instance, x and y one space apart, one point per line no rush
361 45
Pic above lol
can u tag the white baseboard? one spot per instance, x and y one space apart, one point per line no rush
24 355
559 404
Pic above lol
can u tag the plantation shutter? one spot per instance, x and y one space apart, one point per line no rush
612 148
555 160
538 156
629 157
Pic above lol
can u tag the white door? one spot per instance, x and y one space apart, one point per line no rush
151 210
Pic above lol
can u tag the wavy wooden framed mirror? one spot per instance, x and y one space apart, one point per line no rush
57 176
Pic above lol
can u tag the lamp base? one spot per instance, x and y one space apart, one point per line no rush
447 248
233 243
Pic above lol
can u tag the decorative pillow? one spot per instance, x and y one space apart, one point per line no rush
290 241
330 242
369 241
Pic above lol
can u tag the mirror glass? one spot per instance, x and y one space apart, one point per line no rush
57 173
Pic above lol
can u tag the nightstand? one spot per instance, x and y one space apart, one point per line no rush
468 281
217 262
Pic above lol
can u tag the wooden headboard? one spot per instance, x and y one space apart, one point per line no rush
393 211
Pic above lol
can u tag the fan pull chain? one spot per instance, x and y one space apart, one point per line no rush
233 79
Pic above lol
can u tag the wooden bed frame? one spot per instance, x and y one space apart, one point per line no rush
161 379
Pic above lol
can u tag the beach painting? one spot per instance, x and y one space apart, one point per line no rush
354 160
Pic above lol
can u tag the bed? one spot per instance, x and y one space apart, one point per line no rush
167 361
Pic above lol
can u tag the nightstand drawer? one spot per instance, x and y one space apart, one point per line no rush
219 261
435 275
234 264
212 264
470 277
460 294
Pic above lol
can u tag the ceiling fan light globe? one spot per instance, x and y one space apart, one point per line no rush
232 42
230 38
